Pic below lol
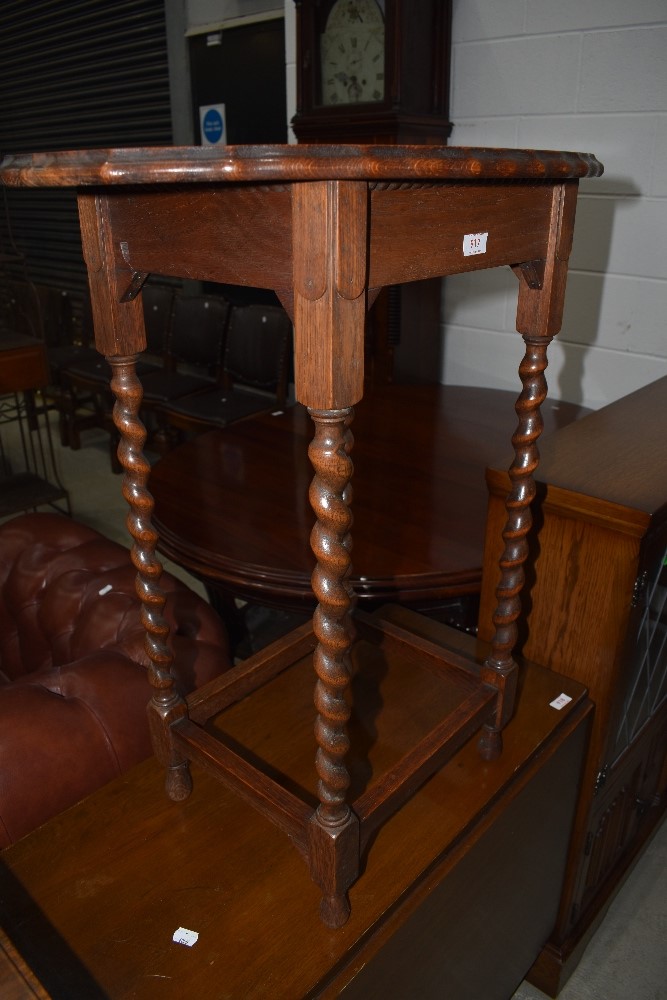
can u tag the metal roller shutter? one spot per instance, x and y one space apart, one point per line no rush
75 74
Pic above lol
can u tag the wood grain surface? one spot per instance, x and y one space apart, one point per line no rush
92 899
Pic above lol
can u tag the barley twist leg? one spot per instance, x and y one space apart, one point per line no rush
500 668
334 827
166 704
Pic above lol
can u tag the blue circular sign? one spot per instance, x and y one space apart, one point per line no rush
213 125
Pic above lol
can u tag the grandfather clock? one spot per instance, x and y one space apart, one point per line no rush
373 71
377 71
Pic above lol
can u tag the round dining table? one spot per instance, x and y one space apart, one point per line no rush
232 508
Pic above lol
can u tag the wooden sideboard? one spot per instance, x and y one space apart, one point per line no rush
596 610
459 888
23 363
29 475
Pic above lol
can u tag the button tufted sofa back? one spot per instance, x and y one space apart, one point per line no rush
73 681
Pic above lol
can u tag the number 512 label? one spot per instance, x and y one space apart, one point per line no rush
474 243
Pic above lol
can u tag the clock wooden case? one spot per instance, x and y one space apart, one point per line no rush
410 105
373 71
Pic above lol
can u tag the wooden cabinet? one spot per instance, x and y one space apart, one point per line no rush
596 610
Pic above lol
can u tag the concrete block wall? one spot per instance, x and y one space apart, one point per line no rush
586 75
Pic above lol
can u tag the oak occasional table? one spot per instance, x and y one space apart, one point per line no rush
325 227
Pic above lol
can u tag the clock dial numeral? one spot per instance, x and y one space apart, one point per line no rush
350 60
351 50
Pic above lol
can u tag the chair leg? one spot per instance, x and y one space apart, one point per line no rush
63 429
73 436
164 438
65 404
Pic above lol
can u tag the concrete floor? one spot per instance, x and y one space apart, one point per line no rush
626 959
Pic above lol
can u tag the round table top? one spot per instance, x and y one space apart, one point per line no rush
231 505
260 163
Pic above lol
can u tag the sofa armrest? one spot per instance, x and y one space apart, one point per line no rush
61 738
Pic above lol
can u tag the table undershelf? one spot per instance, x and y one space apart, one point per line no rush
413 705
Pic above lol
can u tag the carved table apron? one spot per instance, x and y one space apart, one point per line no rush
325 227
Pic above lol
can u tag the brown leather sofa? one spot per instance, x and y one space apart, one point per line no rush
73 683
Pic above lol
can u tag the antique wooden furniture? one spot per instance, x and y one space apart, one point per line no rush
17 980
406 50
366 74
79 386
254 369
23 362
92 900
326 228
597 611
29 475
420 456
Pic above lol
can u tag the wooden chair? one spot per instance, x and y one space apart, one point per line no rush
66 344
254 375
20 307
192 363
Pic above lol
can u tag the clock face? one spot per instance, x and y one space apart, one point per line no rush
352 53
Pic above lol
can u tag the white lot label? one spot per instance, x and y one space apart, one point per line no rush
561 701
474 243
185 936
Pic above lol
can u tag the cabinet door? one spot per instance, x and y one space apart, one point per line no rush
242 67
630 782
623 812
644 686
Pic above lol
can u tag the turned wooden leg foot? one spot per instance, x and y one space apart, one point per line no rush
334 911
334 865
490 743
178 782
